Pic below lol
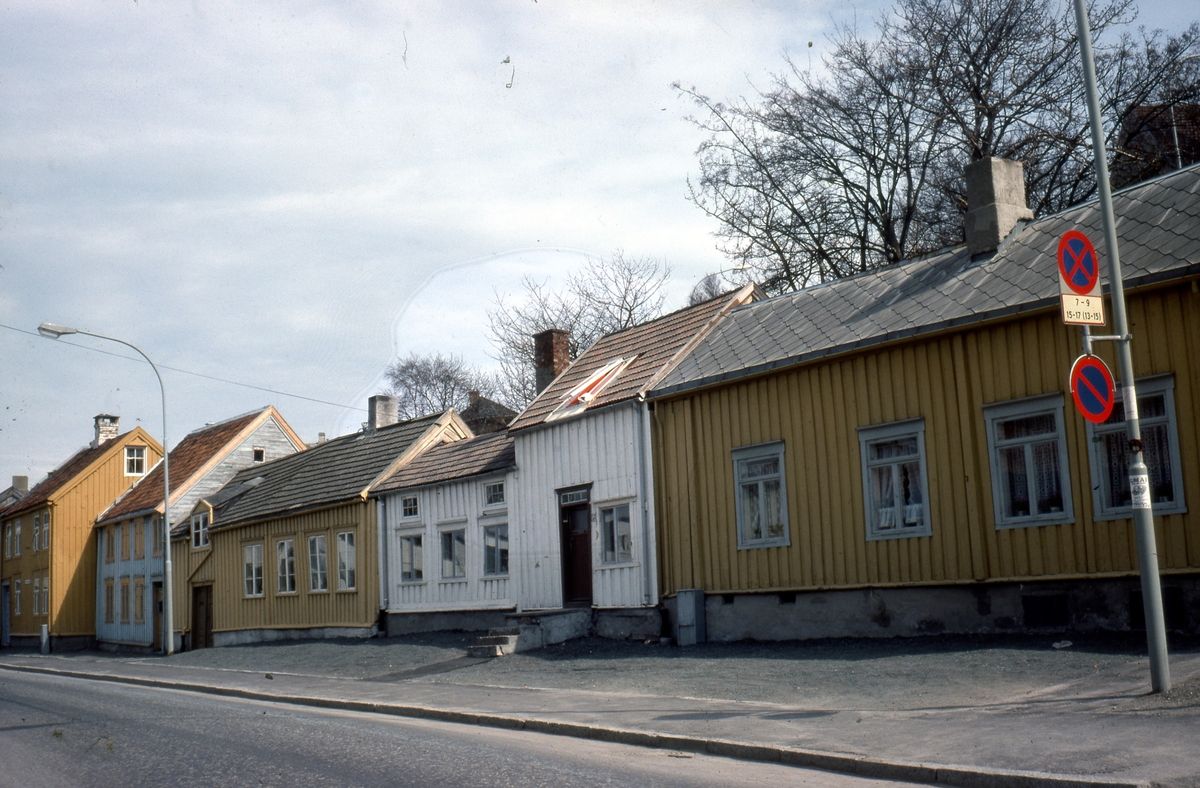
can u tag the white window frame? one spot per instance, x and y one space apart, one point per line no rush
17 537
258 454
493 493
407 511
199 530
318 563
17 595
759 451
37 596
285 566
416 567
252 570
135 460
1040 405
452 533
347 555
501 562
604 528
1147 387
880 433
8 540
37 532
46 530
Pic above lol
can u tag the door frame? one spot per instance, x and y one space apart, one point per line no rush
5 612
156 607
568 498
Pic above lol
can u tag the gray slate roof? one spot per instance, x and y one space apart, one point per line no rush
328 473
485 454
1158 228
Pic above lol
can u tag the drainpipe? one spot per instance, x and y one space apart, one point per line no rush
650 594
385 581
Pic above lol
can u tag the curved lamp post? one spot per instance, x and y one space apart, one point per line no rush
54 332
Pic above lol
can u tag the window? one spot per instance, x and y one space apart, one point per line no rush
1160 450
8 541
347 562
761 496
156 534
17 538
493 494
17 595
454 554
46 594
139 600
318 576
411 563
259 454
616 539
1028 451
110 544
139 538
135 460
37 532
108 600
37 595
46 531
408 506
895 491
124 529
200 529
124 600
495 550
285 551
252 558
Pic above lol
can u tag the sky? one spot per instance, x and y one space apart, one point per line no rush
289 196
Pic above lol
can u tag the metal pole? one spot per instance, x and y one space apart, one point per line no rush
168 607
1139 484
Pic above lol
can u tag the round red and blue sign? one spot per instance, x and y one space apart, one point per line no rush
1092 388
1078 263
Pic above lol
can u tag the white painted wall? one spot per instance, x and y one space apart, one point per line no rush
608 449
449 506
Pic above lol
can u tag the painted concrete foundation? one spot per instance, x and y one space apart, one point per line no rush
57 644
983 608
640 623
454 621
242 636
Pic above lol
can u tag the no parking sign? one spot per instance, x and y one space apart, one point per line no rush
1079 280
1092 388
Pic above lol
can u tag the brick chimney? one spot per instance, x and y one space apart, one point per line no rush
995 202
21 484
473 397
107 428
551 355
382 411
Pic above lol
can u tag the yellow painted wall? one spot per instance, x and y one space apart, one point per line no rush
947 380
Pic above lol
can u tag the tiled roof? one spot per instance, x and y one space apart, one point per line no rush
455 460
654 344
328 473
61 476
185 459
1158 225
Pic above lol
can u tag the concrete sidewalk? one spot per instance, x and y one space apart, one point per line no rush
959 711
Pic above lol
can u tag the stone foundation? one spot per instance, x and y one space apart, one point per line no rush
243 636
453 621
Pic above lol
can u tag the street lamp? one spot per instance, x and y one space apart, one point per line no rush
54 331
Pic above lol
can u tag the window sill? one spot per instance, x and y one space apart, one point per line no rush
1033 523
758 545
411 583
498 576
318 591
619 565
286 593
254 596
453 580
912 534
347 591
1157 510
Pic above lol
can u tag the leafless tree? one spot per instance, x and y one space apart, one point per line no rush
709 287
425 384
608 294
825 175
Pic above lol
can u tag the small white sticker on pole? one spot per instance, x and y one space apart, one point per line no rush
1128 394
1139 491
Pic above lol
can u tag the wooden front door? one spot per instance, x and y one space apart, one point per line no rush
577 554
157 606
202 622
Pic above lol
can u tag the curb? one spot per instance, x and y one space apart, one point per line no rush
935 774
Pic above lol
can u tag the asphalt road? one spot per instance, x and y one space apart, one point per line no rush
64 732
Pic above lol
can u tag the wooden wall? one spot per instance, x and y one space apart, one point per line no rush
946 380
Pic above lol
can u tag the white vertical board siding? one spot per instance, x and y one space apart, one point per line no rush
446 507
601 449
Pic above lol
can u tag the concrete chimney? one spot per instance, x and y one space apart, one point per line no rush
473 398
995 202
551 355
382 411
107 428
21 483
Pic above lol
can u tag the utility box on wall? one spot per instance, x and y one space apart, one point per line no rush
689 616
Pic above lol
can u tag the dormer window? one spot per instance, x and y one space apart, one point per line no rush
200 530
260 454
135 460
585 393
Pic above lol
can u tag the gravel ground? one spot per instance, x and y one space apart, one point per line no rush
892 674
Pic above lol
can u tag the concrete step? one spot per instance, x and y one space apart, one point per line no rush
496 640
514 631
485 651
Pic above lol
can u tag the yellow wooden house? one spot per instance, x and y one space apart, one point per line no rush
898 452
290 548
48 570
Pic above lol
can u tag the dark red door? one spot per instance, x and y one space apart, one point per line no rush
577 555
